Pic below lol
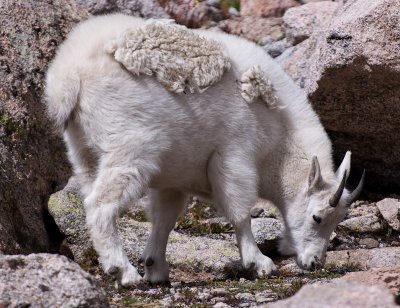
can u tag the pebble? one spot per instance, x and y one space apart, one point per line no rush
220 305
245 296
219 291
369 242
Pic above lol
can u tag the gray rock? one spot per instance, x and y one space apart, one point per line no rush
275 49
253 28
361 224
214 3
245 296
233 11
301 22
338 294
389 209
144 8
363 259
45 280
385 277
351 72
369 242
266 232
32 158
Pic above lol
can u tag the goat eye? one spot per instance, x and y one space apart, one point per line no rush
317 219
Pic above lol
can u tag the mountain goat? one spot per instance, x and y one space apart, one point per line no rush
128 135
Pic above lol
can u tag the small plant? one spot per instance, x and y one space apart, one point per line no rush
389 232
226 4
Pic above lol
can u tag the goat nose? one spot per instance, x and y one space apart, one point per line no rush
312 265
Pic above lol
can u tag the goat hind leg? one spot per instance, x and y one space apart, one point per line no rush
165 207
113 189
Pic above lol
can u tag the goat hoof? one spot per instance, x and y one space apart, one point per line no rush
149 261
113 271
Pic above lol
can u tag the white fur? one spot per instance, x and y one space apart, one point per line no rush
127 135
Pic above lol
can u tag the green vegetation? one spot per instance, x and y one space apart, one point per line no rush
226 4
195 220
13 128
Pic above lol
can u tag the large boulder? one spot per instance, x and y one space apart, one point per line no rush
385 277
339 294
351 71
46 280
32 160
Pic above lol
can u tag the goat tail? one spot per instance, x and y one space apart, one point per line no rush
61 97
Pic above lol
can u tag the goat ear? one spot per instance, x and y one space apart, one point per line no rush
344 167
315 180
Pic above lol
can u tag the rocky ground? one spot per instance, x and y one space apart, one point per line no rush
345 54
204 259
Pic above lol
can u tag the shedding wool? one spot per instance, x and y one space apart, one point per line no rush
255 85
181 60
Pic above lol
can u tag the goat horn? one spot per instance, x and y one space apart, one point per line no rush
356 192
334 200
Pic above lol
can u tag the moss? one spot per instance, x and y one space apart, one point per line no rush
226 4
61 204
13 128
227 252
195 221
90 262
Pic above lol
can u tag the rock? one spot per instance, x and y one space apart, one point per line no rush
350 71
362 224
389 209
338 294
45 280
188 12
369 242
363 209
265 8
385 277
311 1
233 11
254 28
275 49
296 60
266 233
300 22
363 259
354 85
144 8
32 159
264 208
245 296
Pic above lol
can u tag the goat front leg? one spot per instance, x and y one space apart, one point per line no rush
113 189
164 209
252 257
234 187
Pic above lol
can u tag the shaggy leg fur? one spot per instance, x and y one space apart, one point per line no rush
81 158
112 190
234 186
165 207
